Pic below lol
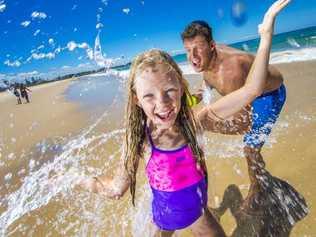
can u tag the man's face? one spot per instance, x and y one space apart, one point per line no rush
199 52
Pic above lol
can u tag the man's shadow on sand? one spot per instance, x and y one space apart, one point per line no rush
277 209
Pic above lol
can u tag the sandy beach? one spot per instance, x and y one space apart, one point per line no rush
48 115
289 154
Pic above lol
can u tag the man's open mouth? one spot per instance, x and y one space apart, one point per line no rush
196 64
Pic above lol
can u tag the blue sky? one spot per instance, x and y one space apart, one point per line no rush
42 36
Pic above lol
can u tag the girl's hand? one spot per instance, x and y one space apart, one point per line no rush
89 184
267 25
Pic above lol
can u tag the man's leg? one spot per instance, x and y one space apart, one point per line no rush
266 110
256 172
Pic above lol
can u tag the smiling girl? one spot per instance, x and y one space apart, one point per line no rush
159 118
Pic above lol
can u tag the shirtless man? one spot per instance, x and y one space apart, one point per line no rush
225 69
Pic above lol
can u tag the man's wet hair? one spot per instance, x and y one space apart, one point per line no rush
196 28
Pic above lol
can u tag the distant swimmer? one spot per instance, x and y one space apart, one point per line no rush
24 92
225 69
160 121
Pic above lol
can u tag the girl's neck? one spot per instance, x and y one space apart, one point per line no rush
158 130
167 139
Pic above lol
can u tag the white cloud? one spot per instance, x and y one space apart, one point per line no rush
15 63
83 45
2 7
36 32
38 56
58 50
126 10
40 47
71 45
25 23
51 41
39 15
74 7
99 25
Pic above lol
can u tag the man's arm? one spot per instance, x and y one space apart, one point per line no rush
255 82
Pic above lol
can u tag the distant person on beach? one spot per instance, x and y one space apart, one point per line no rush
225 69
17 93
24 92
160 120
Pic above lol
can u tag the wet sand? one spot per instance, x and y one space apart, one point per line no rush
289 154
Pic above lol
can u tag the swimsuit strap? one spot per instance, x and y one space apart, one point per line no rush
149 137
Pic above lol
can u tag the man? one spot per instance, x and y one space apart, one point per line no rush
225 69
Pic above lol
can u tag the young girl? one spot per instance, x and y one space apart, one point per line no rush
159 118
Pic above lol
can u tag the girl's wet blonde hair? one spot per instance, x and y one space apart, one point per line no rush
136 118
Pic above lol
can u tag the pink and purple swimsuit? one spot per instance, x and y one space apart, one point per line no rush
179 187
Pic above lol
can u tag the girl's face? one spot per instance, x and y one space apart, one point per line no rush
159 95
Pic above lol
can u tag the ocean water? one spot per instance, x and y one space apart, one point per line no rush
291 45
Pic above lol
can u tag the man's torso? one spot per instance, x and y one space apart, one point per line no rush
232 70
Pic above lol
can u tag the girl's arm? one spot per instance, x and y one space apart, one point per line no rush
239 123
113 188
255 82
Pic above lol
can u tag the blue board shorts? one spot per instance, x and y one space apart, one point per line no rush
265 111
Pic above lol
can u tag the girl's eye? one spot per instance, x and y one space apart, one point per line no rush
171 90
148 96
